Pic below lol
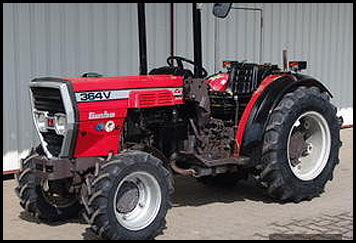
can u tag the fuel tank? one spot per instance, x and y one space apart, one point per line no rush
218 82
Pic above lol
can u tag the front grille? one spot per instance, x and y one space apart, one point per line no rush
50 100
54 142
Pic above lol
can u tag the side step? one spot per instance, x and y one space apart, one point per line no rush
242 161
227 161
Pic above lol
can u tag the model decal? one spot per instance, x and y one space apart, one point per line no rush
89 96
95 95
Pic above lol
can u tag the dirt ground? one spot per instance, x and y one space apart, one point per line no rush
199 212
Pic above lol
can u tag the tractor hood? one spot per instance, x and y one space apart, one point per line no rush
122 83
91 95
95 108
117 94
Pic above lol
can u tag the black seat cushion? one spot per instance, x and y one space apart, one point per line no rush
171 70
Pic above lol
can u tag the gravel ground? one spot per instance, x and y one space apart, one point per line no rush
199 212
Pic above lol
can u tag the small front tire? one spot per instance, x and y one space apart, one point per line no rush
129 197
48 200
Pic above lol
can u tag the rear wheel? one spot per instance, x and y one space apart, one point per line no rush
301 146
129 197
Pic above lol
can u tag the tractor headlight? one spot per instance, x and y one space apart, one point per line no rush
60 123
41 121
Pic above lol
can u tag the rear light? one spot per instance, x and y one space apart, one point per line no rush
41 121
60 123
297 65
227 64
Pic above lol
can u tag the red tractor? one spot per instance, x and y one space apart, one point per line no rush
110 145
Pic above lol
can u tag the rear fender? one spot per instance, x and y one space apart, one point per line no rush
250 136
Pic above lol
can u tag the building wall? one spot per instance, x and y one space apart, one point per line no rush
68 39
321 33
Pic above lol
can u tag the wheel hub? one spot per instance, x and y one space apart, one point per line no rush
127 197
309 144
297 148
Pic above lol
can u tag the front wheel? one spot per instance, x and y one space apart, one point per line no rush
48 200
301 146
129 197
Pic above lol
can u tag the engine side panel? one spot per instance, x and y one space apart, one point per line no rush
103 105
92 138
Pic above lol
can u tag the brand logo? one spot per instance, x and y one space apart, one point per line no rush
110 126
105 114
177 91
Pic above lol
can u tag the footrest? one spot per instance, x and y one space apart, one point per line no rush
228 161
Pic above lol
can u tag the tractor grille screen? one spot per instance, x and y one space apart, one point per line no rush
50 100
54 142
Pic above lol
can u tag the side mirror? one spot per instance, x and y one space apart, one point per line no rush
221 10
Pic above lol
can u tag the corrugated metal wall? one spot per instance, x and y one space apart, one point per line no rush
68 39
321 33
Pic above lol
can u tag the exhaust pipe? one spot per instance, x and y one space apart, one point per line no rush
198 59
285 60
142 38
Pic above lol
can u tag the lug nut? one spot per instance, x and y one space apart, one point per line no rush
309 148
306 125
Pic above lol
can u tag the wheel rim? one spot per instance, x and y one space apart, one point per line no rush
308 146
137 200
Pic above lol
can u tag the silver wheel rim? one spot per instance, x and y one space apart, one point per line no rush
315 154
142 212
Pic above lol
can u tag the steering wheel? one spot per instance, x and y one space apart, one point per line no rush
180 61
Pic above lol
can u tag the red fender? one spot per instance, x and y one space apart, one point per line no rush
246 114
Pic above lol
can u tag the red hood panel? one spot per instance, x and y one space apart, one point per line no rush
128 82
92 141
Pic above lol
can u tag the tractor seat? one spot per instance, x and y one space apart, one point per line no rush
246 79
172 70
248 76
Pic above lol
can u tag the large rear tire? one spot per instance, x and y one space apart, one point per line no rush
129 197
301 146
